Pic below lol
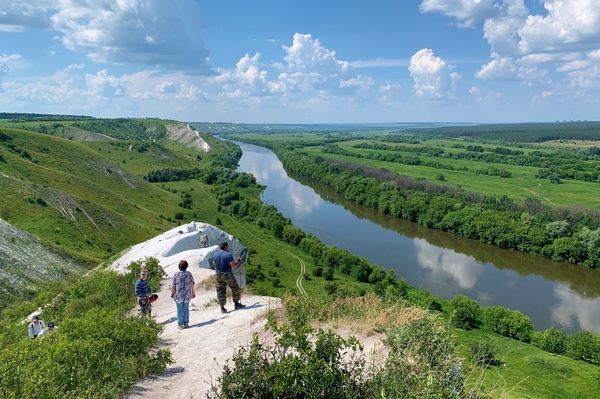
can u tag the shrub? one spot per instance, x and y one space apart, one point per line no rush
550 340
465 311
421 364
482 354
303 363
508 323
584 346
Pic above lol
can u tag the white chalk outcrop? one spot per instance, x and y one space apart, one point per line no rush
194 242
183 133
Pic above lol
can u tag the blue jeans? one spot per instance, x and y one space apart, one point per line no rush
183 313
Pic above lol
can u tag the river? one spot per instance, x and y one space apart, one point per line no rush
550 293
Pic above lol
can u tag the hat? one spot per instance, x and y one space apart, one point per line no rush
224 244
36 317
51 324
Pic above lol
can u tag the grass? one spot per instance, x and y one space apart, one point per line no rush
522 185
528 372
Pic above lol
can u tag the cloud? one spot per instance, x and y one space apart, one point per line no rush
467 12
433 77
18 16
9 62
501 31
569 25
164 34
500 68
308 55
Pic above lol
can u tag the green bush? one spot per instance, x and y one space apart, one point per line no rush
97 355
508 323
465 312
421 364
584 346
482 354
303 363
550 340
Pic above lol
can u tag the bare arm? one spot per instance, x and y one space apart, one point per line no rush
235 265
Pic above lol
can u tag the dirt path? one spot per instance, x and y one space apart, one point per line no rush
201 351
537 195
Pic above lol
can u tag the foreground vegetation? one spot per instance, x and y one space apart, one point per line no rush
103 196
99 349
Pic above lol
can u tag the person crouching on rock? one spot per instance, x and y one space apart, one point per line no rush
224 265
182 292
143 292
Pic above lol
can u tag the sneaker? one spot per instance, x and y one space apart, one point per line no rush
180 327
186 325
223 310
239 305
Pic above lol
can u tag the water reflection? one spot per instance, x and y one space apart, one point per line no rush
446 264
551 293
575 312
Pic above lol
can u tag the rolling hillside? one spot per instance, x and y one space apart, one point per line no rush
85 200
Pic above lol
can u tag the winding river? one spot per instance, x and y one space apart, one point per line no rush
550 293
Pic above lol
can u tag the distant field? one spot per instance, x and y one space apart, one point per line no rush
522 184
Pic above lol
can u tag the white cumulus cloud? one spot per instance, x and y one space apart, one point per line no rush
433 77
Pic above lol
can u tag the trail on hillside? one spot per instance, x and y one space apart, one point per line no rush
537 195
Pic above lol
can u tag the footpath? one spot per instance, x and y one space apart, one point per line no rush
201 351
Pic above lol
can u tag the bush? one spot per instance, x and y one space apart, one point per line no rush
303 363
584 346
508 323
482 354
421 364
550 340
465 311
96 355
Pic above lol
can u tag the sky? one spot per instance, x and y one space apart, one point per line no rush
274 61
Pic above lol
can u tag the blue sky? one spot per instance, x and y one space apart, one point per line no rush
303 62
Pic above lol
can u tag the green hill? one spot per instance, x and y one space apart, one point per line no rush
87 200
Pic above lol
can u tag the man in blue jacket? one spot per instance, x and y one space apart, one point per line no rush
224 265
143 292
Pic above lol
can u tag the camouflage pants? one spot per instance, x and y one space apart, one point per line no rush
223 281
145 305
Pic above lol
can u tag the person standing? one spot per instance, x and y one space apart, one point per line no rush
47 330
35 327
143 292
182 292
224 266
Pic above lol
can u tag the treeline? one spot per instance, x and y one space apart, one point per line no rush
560 233
398 158
572 164
125 128
519 133
26 117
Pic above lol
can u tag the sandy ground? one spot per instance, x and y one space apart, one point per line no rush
201 351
